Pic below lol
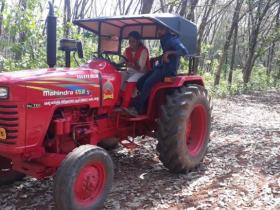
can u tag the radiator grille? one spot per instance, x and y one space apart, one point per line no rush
9 120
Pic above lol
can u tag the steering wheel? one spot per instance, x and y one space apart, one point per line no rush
106 55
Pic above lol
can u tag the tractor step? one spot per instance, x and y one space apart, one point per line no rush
129 144
136 118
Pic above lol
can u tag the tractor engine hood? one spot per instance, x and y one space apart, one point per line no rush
44 74
90 70
90 81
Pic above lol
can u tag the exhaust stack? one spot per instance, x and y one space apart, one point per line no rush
51 37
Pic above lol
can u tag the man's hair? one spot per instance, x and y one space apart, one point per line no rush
135 35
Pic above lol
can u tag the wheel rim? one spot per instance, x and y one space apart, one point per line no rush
196 130
90 183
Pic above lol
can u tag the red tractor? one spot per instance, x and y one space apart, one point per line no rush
54 121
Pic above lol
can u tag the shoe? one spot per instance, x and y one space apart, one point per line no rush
131 111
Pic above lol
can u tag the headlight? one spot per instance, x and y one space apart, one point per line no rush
4 93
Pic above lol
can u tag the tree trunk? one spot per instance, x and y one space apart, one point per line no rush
162 6
234 24
271 51
22 34
190 15
201 30
233 56
278 75
128 7
1 15
253 39
183 9
67 18
146 6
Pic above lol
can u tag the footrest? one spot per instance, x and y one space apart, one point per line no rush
136 118
128 144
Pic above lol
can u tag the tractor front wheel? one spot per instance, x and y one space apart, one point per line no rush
109 144
184 127
84 179
7 174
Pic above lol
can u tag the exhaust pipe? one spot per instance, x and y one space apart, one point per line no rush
51 37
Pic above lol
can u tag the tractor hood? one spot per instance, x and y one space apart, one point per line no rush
43 74
98 80
88 71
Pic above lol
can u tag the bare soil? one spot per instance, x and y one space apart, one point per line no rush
241 168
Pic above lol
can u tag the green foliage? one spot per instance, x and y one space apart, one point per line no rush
259 81
23 46
24 43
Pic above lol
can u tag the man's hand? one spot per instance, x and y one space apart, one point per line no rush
166 54
130 65
165 57
133 66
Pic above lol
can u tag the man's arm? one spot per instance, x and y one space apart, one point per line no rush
180 50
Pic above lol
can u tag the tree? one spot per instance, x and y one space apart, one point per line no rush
146 6
1 14
22 34
271 52
257 14
67 18
202 27
234 25
183 9
190 15
233 56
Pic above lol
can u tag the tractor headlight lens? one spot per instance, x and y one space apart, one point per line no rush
4 93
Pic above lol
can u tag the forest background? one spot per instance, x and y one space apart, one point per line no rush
238 40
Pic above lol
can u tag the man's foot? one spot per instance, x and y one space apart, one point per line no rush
131 111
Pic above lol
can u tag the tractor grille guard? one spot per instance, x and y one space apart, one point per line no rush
9 120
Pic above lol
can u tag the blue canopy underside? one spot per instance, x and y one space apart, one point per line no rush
118 27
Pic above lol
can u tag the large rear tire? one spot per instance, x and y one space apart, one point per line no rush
184 128
84 179
7 174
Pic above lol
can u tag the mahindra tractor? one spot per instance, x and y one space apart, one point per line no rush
60 121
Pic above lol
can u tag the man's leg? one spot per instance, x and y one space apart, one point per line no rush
142 80
124 75
156 76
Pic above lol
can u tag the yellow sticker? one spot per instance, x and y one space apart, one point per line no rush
3 134
108 96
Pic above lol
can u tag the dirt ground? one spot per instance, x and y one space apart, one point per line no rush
241 168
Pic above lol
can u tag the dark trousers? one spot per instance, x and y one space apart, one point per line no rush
145 84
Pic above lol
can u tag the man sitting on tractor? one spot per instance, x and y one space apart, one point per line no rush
167 66
137 65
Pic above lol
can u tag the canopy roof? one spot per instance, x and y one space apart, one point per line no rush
112 29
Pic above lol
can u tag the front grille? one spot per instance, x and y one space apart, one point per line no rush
9 120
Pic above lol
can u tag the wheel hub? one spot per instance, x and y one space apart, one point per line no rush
196 129
89 183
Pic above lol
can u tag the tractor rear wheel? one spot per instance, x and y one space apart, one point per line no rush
7 174
84 179
184 128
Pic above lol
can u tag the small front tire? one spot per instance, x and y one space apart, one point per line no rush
109 144
84 179
7 174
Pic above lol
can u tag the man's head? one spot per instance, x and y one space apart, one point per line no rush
161 31
134 39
